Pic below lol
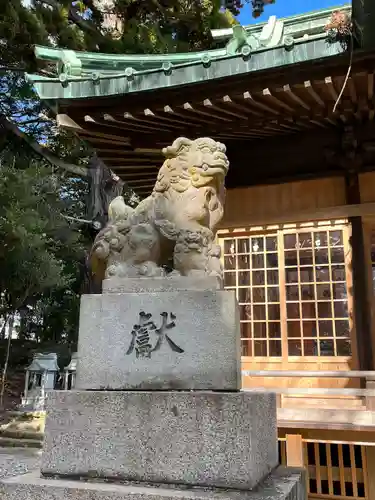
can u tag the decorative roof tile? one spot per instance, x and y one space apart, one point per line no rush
250 48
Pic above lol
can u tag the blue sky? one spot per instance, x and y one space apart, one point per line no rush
284 8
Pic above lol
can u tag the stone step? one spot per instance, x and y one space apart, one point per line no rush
25 415
19 434
281 484
7 442
34 426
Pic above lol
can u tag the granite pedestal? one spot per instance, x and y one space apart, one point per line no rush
198 348
281 484
180 428
194 438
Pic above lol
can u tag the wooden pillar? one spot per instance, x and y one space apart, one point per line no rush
362 309
369 473
294 450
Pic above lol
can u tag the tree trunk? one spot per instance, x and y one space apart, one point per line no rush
5 369
3 328
104 186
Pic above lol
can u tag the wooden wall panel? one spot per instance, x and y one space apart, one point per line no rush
367 187
247 206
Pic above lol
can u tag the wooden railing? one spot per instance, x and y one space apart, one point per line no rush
368 393
335 469
337 409
368 375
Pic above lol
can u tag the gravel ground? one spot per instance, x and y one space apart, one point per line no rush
15 461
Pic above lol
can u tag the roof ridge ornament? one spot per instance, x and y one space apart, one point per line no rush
271 35
129 73
167 67
246 52
206 60
272 32
69 63
288 42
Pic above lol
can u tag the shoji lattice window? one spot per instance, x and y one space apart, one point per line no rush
292 289
316 294
252 269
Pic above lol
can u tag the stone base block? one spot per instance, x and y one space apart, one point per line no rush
192 438
282 484
151 337
160 284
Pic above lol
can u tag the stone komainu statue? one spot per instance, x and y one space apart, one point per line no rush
175 226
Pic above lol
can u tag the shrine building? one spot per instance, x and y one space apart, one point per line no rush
294 103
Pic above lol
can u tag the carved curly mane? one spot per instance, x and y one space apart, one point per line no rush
190 163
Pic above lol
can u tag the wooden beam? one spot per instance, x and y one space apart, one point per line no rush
311 418
237 110
137 175
131 153
315 215
125 160
310 89
146 186
352 90
312 391
136 168
294 97
267 94
157 118
251 102
370 86
95 139
143 194
131 123
370 375
331 88
64 121
144 182
322 435
209 105
209 114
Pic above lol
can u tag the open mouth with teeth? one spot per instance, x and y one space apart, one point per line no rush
217 176
219 166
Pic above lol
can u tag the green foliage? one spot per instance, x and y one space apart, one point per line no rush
20 29
41 256
116 26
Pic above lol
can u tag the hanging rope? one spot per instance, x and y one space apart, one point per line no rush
340 28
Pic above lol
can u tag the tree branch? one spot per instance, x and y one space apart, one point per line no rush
47 155
81 23
52 3
75 17
34 120
14 69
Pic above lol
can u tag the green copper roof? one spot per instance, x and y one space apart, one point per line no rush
249 49
310 23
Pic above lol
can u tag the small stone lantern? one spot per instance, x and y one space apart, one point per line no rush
41 375
70 373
